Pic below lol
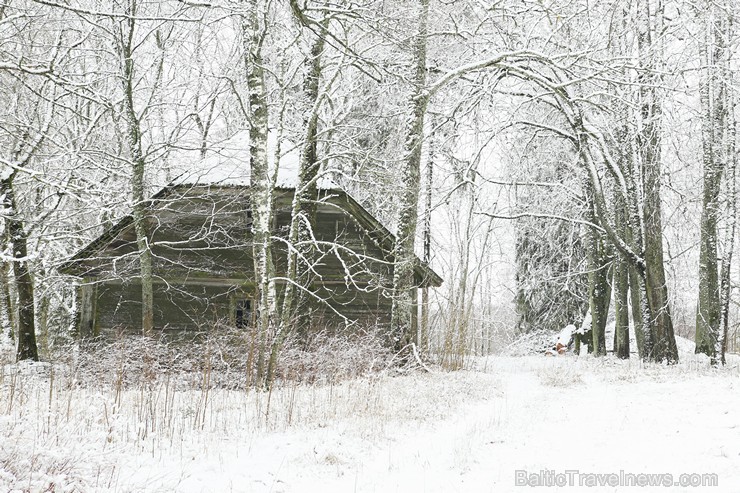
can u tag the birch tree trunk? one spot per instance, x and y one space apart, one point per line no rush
731 220
730 150
423 335
301 242
404 257
261 187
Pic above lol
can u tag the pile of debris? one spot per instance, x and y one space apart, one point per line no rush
532 343
548 342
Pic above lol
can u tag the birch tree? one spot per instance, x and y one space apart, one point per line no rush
731 226
133 37
254 31
406 224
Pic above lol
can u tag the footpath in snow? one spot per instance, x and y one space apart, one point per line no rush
533 419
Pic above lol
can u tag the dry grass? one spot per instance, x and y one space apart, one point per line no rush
65 426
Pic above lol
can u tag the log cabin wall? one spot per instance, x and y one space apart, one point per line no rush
203 264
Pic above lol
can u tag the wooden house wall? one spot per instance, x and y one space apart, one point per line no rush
203 261
116 308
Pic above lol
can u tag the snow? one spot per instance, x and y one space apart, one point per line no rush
5 171
609 331
543 341
565 335
586 324
227 164
536 342
461 431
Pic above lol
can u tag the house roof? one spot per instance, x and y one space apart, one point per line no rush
228 166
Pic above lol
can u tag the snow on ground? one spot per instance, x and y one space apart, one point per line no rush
543 341
466 431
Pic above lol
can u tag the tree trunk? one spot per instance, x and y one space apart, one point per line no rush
125 43
713 129
729 247
261 192
637 311
27 348
624 226
7 290
599 289
621 289
634 231
661 325
404 257
423 337
303 211
661 343
630 223
730 136
458 330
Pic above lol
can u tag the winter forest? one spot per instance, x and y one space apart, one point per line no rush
499 203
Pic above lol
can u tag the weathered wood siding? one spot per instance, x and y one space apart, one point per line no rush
202 262
177 308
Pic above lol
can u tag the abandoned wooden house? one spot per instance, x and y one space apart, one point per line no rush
200 230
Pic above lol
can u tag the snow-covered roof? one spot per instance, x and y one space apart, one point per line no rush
227 164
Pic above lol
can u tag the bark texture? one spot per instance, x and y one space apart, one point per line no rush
125 45
407 219
26 330
714 132
599 287
660 342
301 238
261 195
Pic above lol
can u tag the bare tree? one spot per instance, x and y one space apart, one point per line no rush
262 183
717 154
404 255
28 60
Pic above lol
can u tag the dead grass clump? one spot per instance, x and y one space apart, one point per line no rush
330 357
560 376
225 358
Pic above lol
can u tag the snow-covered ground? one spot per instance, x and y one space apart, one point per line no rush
466 431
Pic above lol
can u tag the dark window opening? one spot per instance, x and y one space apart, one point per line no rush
243 313
250 220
